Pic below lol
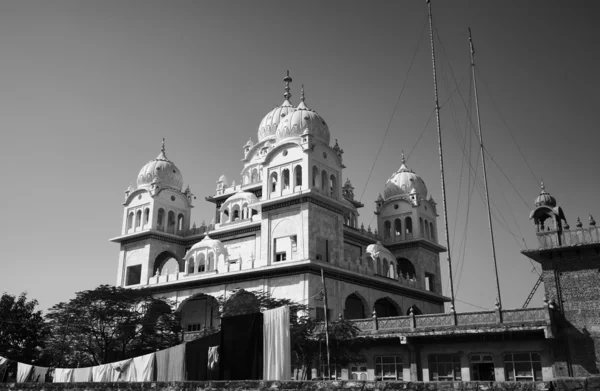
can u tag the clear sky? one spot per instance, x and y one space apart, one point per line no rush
89 88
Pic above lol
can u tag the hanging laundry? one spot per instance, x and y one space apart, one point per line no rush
23 372
141 368
82 375
119 370
277 349
38 375
196 358
102 373
241 347
3 367
63 375
213 357
170 364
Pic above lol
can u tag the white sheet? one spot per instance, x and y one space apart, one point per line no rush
63 375
277 349
23 372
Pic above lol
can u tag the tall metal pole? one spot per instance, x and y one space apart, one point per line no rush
485 183
439 132
326 324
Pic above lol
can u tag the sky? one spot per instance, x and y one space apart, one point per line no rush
88 89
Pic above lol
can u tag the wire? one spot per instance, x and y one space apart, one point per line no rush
395 108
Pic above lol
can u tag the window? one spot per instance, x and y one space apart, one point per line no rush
427 230
138 218
160 219
298 173
398 228
285 178
322 249
180 222
191 265
134 274
421 229
432 233
388 368
236 214
444 367
482 367
201 265
315 176
194 327
130 221
324 180
523 366
146 216
171 222
387 230
279 257
429 282
254 177
408 225
273 182
358 373
333 186
294 240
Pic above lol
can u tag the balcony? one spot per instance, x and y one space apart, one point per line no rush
568 238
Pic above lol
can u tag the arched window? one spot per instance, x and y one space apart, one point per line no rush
387 230
160 219
146 215
236 213
392 273
426 229
397 228
385 307
180 222
324 180
191 265
254 177
225 216
245 211
138 218
415 310
431 231
354 307
333 186
171 222
130 221
285 178
378 262
315 176
421 231
211 261
406 269
386 268
408 225
273 182
201 265
298 175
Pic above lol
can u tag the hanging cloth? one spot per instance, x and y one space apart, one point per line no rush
23 372
3 367
38 375
277 355
196 358
241 347
82 375
141 368
213 357
102 373
63 375
170 364
120 370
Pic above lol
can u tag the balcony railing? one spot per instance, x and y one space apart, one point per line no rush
572 237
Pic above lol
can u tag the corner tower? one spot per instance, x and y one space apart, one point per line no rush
156 215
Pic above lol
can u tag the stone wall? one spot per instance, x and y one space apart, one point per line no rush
564 384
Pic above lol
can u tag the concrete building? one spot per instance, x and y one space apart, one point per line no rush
290 217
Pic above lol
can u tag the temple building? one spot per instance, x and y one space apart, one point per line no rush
293 216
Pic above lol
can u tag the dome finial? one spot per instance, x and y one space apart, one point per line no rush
287 81
403 160
162 148
542 185
302 98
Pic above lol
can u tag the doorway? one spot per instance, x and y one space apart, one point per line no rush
482 367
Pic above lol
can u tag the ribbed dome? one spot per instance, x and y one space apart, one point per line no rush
268 125
161 170
404 182
240 196
214 244
545 199
303 120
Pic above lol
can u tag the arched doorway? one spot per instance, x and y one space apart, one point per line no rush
167 263
385 307
354 307
199 315
241 302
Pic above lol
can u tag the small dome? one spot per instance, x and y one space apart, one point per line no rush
162 171
239 196
302 121
545 199
268 125
214 244
223 179
404 182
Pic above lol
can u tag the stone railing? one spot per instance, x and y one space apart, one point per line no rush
432 321
573 237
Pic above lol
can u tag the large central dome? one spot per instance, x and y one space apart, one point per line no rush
404 182
303 120
268 125
161 170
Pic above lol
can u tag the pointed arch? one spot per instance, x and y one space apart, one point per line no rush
421 229
180 222
408 227
241 302
387 229
386 307
273 182
406 269
160 219
333 186
191 266
431 231
355 306
129 221
298 175
138 219
171 222
199 312
172 261
201 263
315 177
146 216
398 228
285 178
324 180
416 310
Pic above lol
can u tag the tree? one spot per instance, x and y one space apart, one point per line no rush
110 324
22 328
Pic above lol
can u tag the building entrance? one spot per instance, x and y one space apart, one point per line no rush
482 367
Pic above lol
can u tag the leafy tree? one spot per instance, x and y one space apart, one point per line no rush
22 328
110 324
